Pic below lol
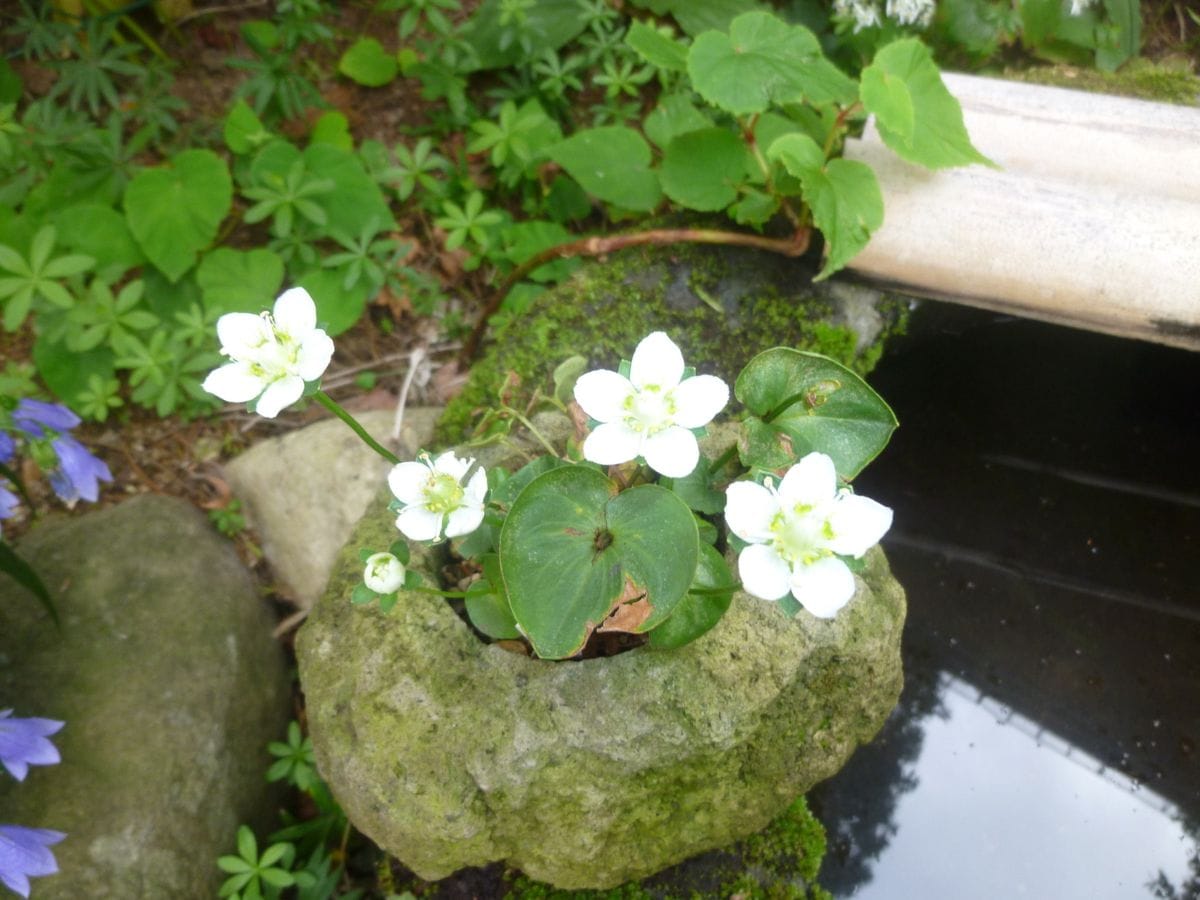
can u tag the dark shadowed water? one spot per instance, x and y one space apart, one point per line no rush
1046 484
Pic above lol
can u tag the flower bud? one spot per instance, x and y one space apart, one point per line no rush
384 573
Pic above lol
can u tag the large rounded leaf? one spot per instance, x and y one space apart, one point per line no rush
612 163
702 170
174 210
575 556
804 402
698 612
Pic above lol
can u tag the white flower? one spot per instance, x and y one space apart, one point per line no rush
797 532
650 413
273 354
436 502
911 12
1078 7
864 13
384 573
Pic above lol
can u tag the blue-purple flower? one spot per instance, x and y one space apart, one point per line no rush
24 853
35 417
8 448
8 503
25 743
78 473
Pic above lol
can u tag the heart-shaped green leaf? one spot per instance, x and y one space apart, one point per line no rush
239 280
697 612
703 169
174 210
803 402
366 62
576 555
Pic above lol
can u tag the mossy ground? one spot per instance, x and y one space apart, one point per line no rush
722 305
779 863
1169 80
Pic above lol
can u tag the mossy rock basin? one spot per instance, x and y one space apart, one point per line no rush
449 752
721 305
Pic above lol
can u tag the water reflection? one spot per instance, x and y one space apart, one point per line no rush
1046 485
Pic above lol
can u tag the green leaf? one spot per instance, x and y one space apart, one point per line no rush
697 16
332 128
844 196
703 169
674 115
927 129
487 606
612 163
696 490
576 555
366 62
697 613
548 25
100 232
763 61
526 239
803 402
244 131
67 372
23 574
239 281
1126 40
338 307
174 210
657 48
355 199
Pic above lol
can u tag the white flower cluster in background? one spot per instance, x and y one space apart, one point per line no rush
867 14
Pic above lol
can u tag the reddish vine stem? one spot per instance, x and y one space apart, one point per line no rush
795 245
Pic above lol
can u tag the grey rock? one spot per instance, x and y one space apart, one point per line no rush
170 685
448 752
304 492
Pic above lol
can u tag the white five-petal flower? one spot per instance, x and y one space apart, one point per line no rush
797 532
436 502
384 573
650 413
273 354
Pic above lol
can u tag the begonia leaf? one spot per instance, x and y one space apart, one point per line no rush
612 163
366 62
843 195
917 117
761 62
802 402
703 169
657 48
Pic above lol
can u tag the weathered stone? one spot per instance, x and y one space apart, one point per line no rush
304 491
721 305
448 752
170 685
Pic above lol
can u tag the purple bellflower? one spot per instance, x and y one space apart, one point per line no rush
35 417
24 852
8 448
78 473
8 504
25 743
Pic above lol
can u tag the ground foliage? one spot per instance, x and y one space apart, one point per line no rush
397 159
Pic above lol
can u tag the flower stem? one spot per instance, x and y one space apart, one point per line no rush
336 408
453 595
715 591
721 461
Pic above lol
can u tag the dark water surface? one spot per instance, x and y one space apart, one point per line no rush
1046 484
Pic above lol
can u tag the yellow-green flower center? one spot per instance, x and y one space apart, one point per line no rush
650 409
798 535
443 494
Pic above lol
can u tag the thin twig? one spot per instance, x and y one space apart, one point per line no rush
796 245
415 359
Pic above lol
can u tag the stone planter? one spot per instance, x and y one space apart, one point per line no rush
449 752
